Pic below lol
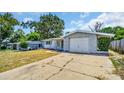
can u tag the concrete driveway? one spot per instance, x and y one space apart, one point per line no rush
66 66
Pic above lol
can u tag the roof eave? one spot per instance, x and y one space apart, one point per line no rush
88 32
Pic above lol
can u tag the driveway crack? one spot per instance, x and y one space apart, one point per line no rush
97 77
61 68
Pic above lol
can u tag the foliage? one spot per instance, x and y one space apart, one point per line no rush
7 23
119 34
49 26
17 36
3 47
23 44
103 43
118 31
33 36
107 30
117 28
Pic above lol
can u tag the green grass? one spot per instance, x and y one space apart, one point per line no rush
118 61
11 59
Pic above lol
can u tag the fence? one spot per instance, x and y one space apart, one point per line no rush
117 45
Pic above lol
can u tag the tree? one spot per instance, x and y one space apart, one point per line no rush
17 36
117 28
107 30
7 23
103 43
23 44
119 34
111 29
49 26
96 27
33 36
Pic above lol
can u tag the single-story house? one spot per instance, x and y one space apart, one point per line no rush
31 45
53 43
76 41
34 45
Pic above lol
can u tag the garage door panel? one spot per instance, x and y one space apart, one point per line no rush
79 45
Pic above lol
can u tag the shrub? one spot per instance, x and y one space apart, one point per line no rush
119 35
103 43
23 44
3 47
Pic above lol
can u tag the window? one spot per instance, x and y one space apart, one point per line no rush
48 42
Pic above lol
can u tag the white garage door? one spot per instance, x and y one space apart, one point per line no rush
79 45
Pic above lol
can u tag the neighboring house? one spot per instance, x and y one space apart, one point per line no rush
77 41
31 45
34 45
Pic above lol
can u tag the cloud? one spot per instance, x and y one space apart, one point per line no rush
109 19
26 19
77 23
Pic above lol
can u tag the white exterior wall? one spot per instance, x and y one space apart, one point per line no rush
92 41
53 45
67 40
50 46
66 44
30 43
45 45
59 45
79 45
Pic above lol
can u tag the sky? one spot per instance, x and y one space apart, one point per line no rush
76 20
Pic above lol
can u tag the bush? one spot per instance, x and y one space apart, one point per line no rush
119 35
3 47
24 44
103 43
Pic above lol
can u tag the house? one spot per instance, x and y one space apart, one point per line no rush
77 41
53 43
31 45
34 45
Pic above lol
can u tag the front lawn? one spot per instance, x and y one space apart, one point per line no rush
11 59
118 61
